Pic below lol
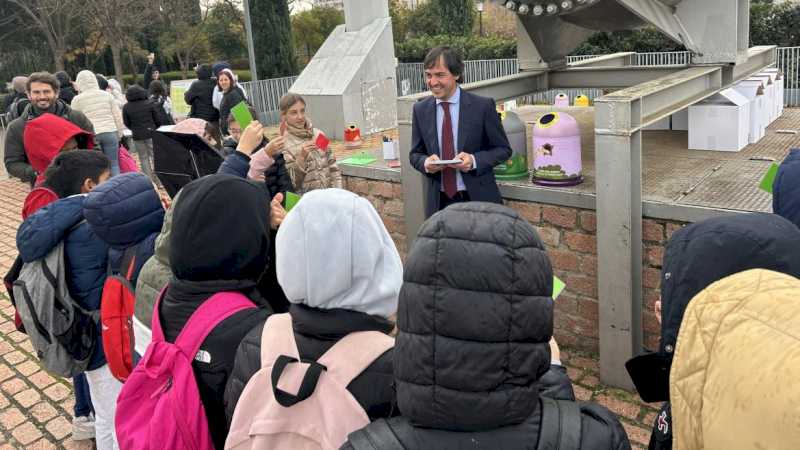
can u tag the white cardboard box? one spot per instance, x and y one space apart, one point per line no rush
662 124
779 89
754 91
767 102
769 91
680 120
720 122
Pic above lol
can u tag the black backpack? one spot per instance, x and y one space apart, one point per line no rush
560 430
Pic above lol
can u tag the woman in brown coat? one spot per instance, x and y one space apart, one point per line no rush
309 166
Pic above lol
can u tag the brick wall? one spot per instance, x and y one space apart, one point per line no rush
569 235
387 198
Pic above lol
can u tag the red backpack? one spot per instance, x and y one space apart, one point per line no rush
116 317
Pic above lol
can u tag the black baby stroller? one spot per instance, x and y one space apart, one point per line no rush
180 158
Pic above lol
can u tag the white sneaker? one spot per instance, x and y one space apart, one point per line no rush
83 428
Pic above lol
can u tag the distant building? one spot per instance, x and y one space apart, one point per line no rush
339 4
411 4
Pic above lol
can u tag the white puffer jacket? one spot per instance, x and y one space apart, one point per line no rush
99 106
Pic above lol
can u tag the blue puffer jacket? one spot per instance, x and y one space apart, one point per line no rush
125 212
84 254
786 189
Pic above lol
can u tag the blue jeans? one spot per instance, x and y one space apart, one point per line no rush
110 145
83 400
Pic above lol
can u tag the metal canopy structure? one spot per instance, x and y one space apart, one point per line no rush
717 32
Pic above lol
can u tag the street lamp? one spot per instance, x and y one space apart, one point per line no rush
479 7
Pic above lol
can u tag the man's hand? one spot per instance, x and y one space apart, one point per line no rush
151 58
251 138
276 212
432 168
275 146
466 162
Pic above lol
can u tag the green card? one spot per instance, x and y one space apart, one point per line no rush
360 159
558 287
291 200
769 178
242 114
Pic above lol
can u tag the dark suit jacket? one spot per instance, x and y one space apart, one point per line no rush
479 133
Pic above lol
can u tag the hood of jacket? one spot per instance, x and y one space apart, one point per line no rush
474 320
204 72
786 188
208 246
20 84
63 79
136 93
737 350
333 251
86 81
697 256
43 230
162 241
219 66
124 210
45 136
116 89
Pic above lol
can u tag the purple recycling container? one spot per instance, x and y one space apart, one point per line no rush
557 151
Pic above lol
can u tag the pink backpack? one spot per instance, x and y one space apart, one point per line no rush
322 412
159 406
126 161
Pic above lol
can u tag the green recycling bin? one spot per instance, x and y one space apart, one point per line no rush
517 166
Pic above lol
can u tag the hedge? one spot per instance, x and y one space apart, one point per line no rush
470 47
243 75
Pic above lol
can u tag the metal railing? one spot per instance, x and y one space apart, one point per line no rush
411 76
663 59
789 63
647 58
265 94
549 97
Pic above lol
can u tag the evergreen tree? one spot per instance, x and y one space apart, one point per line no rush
456 16
272 38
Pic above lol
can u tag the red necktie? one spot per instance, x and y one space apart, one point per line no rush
448 152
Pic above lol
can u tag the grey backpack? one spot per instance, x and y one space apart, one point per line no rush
63 334
560 430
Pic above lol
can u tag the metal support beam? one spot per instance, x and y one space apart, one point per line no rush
757 59
619 118
620 59
413 194
510 86
606 77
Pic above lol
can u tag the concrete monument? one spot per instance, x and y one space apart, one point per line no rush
351 78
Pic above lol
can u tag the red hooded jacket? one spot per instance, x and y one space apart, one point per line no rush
45 136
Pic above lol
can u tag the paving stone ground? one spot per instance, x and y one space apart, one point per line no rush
36 408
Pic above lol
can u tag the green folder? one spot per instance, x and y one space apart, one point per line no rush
291 200
769 178
242 114
558 287
360 159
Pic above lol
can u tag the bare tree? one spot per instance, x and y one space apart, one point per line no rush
54 18
186 39
119 21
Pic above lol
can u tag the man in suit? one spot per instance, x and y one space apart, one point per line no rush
454 124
